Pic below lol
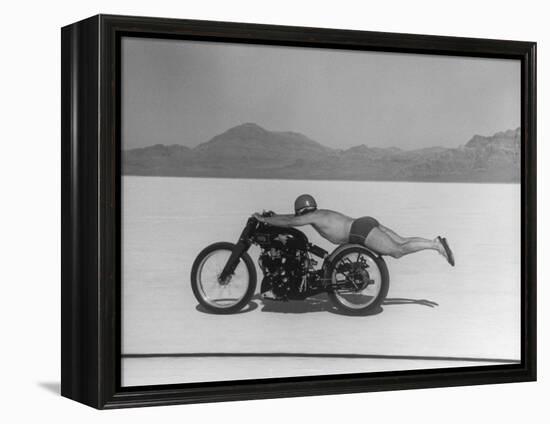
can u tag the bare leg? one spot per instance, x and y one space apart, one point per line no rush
380 241
397 238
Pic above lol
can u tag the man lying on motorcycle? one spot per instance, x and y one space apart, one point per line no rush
339 229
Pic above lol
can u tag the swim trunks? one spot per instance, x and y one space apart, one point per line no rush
360 229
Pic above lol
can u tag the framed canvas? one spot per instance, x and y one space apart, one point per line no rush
254 211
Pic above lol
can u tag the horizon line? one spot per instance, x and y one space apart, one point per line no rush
321 144
122 174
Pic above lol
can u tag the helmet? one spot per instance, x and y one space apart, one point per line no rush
304 203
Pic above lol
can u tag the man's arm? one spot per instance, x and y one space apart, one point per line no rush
286 220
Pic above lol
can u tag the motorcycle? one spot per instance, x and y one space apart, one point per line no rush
223 276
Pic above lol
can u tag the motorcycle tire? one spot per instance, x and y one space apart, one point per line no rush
377 268
197 283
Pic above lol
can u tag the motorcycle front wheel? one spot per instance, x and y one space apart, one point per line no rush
222 297
360 280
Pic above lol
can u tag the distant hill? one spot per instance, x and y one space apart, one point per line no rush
250 151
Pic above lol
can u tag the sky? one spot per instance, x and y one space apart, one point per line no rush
186 92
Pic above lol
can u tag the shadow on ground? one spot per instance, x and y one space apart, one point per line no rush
248 308
320 303
51 386
404 301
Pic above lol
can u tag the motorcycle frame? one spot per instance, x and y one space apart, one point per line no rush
91 211
246 239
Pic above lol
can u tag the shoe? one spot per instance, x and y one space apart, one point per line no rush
448 252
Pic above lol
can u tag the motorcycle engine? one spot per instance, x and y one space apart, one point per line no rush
284 268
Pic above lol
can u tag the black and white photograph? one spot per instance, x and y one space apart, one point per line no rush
253 212
290 211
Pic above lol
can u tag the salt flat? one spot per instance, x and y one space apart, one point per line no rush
432 312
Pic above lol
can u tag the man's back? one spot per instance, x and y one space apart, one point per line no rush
331 225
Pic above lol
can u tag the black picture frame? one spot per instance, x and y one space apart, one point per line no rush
90 182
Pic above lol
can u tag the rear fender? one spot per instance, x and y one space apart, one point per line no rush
332 255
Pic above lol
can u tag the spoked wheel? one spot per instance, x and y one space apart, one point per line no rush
222 297
360 280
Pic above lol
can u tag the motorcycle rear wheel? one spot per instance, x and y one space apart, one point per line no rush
222 297
367 297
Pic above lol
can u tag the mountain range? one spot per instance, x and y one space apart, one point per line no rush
250 151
